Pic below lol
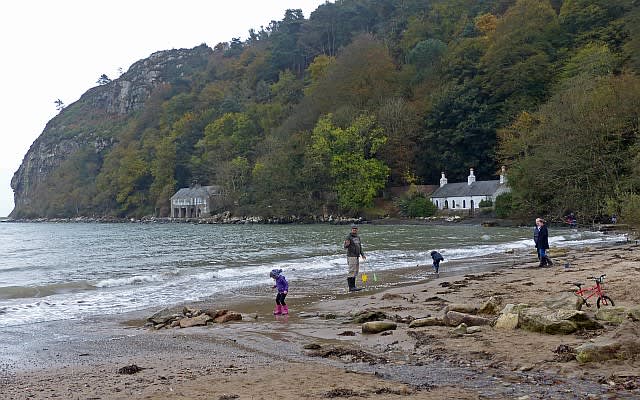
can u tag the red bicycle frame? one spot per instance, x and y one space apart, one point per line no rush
587 293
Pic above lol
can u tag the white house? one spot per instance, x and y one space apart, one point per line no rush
468 195
195 202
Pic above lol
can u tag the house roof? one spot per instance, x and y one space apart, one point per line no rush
196 192
463 189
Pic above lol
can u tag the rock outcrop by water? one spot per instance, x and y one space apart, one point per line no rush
90 124
189 317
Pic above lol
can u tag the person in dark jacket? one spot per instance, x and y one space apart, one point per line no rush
436 257
354 251
283 288
541 239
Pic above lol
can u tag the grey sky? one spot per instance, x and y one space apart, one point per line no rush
58 49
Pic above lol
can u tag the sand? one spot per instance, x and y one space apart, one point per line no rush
317 352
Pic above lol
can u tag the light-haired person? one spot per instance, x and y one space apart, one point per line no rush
541 239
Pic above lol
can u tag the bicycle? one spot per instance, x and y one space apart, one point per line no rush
587 293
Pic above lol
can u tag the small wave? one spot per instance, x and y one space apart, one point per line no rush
24 292
130 280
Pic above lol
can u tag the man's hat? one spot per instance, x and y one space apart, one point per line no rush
354 226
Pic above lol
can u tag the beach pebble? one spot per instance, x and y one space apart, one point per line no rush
378 326
459 330
429 321
454 318
473 329
462 308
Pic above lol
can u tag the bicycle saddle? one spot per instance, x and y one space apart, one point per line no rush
578 284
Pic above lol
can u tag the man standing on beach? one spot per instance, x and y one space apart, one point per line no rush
354 251
541 239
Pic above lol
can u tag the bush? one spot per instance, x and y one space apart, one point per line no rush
504 205
417 205
485 203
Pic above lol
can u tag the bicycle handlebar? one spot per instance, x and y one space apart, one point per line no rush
598 279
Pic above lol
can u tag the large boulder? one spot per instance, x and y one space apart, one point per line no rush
613 315
200 320
555 322
454 318
566 300
514 308
228 316
491 306
508 321
621 344
378 326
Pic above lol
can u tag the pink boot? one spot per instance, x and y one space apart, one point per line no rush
277 310
285 310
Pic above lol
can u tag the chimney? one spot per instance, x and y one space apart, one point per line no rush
503 175
472 177
443 180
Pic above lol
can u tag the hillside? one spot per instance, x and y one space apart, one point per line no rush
326 113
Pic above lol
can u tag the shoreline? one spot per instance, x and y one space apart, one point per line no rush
247 358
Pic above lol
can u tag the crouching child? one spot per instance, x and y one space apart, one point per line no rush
436 257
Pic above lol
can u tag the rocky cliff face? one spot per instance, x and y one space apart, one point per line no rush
92 122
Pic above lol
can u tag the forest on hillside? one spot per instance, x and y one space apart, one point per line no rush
327 113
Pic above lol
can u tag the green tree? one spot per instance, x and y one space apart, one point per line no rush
519 60
349 156
593 59
163 172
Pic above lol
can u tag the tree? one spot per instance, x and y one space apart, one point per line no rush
349 157
427 56
518 62
400 122
361 77
103 80
163 172
59 105
593 59
578 150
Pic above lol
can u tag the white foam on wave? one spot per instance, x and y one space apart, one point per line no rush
130 280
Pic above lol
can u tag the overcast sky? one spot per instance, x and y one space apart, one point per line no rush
58 49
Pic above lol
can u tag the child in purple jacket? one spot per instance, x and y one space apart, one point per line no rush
283 288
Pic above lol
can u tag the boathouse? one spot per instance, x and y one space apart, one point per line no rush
195 201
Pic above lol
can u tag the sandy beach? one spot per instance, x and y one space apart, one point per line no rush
320 352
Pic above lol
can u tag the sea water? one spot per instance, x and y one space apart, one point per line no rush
59 271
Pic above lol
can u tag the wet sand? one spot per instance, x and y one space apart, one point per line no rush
266 357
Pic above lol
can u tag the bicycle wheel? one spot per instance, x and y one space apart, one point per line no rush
606 301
